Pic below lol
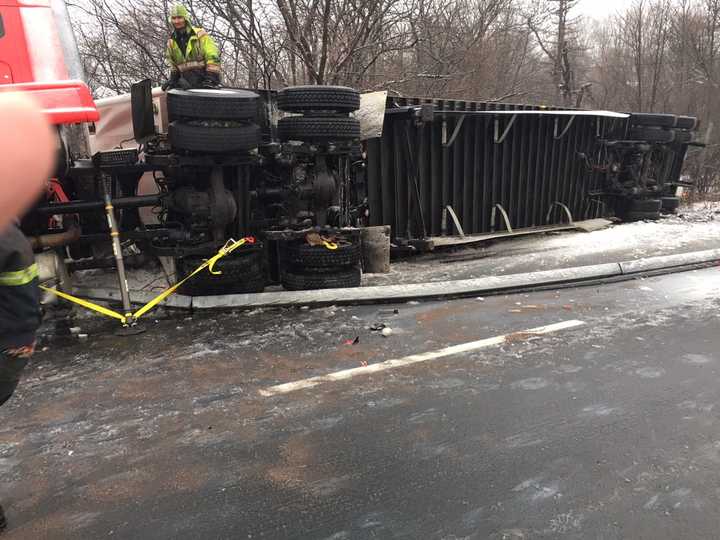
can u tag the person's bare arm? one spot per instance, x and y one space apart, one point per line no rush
27 154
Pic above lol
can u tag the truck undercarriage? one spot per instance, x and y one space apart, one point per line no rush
304 184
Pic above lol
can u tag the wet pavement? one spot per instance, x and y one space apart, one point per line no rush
608 430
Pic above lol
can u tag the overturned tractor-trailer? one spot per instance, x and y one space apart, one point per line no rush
305 169
472 168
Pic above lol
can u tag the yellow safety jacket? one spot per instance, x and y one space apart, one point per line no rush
201 53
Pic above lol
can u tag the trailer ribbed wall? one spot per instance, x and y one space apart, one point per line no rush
526 173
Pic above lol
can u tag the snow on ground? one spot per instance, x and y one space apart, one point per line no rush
695 228
149 278
701 211
643 238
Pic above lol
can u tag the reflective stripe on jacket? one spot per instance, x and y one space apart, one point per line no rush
18 278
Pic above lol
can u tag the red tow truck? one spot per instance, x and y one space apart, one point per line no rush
38 55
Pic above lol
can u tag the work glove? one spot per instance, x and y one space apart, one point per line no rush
211 80
172 82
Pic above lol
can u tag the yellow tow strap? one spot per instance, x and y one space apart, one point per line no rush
228 248
87 304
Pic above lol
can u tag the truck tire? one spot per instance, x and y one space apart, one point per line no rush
652 135
318 129
230 266
212 104
199 286
654 120
318 98
646 205
307 281
670 204
209 139
687 122
242 272
305 255
683 137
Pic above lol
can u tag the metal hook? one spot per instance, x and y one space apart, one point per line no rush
499 139
504 215
449 210
564 207
564 131
456 132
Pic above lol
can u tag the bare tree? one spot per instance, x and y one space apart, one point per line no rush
556 33
644 35
334 41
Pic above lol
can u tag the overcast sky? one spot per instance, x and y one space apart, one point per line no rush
600 8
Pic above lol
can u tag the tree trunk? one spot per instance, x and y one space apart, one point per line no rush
251 56
560 91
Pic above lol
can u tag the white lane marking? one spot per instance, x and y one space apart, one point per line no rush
413 359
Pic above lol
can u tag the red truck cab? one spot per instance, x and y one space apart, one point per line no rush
38 55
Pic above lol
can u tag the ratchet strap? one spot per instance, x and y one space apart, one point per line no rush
228 248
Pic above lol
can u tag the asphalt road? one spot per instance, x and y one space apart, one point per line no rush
606 430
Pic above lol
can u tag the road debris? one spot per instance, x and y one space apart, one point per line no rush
524 308
352 341
299 331
387 332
